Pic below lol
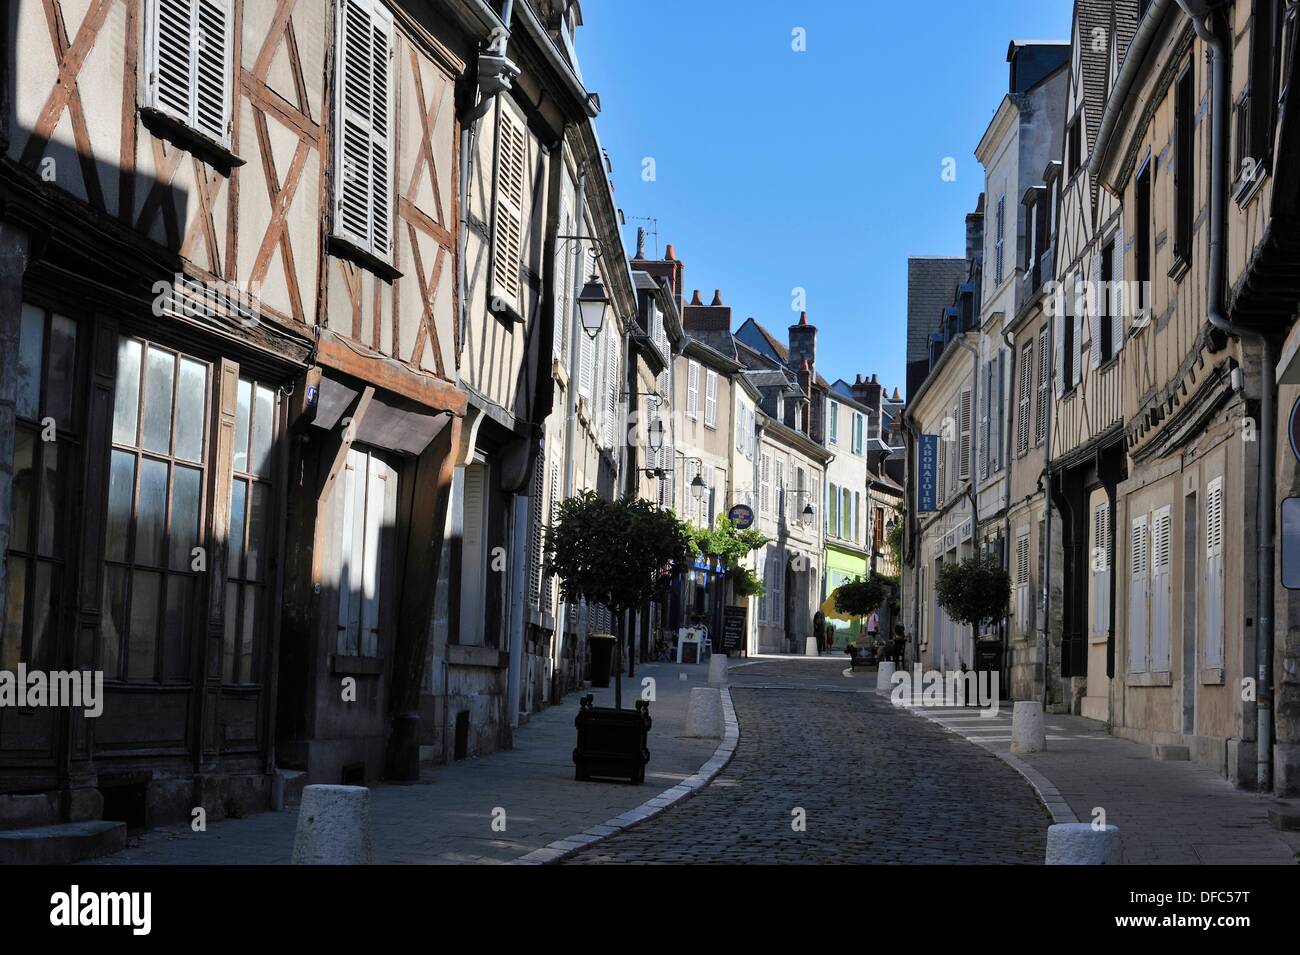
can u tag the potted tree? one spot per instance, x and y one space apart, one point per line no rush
975 591
857 598
619 554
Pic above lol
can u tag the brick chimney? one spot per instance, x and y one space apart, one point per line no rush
802 337
669 268
714 317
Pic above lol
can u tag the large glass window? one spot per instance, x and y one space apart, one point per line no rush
256 412
46 445
156 509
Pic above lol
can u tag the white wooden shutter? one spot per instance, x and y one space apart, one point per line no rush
1139 569
508 208
536 506
764 492
1160 589
586 364
363 141
1076 363
1041 412
963 445
379 487
692 390
171 56
1101 568
349 557
1095 316
1214 573
1023 405
212 69
472 551
612 357
710 398
563 297
986 406
1117 298
548 596
1023 617
1000 412
1058 348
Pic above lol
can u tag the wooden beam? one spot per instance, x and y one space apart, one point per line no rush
391 375
353 418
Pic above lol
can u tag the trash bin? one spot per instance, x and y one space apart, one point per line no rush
988 655
602 657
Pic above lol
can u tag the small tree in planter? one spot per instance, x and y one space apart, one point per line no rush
728 544
620 554
975 590
859 597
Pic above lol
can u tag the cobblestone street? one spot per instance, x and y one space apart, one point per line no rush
876 785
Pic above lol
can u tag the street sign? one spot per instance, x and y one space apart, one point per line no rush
733 628
927 454
742 515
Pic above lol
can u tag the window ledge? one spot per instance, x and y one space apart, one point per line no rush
1212 676
1180 266
358 666
343 249
1096 638
1162 678
168 127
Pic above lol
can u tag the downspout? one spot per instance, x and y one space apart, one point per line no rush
1267 438
972 489
1009 340
1045 600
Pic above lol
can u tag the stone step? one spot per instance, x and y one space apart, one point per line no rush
61 844
1169 751
1285 816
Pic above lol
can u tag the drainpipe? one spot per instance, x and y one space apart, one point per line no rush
1046 583
972 490
1267 441
1009 340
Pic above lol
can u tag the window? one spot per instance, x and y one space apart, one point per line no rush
1026 387
251 494
857 433
156 507
835 422
188 50
1257 109
1142 240
1184 165
847 515
998 240
366 496
1161 564
1073 148
1031 240
1069 347
564 277
878 528
764 485
363 137
832 510
42 472
710 399
1106 304
693 391
780 489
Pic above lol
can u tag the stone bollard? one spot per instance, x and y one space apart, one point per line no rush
333 827
704 713
1078 843
1027 734
718 669
811 648
885 676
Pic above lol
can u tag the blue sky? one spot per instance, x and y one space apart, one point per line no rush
821 169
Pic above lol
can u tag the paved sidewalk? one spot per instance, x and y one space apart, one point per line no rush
447 816
1169 813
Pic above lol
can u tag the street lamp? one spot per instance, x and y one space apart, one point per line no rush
698 487
592 305
655 434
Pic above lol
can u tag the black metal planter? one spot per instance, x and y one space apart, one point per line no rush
611 743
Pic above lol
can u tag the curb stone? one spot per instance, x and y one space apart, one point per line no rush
563 848
1047 793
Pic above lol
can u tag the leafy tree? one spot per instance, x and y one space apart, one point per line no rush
894 541
618 553
859 597
975 590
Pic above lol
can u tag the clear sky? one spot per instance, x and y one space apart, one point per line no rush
776 169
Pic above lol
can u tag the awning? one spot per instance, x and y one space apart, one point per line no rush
828 608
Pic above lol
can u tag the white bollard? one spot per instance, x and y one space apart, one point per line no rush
885 676
1078 843
333 827
1027 734
718 669
810 648
704 713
